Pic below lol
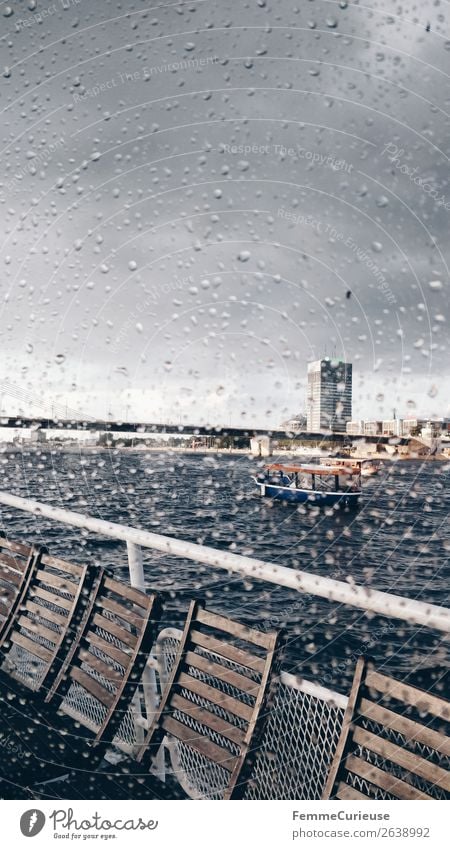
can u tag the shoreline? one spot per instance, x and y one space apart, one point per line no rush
199 452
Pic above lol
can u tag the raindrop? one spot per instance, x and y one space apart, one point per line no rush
8 11
377 247
29 348
60 359
244 256
435 284
382 201
331 22
104 268
433 391
139 327
132 265
217 193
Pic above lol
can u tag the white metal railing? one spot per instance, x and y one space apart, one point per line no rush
365 598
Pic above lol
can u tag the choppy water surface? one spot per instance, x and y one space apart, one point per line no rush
398 541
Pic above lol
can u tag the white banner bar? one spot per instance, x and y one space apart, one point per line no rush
231 825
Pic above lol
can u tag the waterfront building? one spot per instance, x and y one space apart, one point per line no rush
392 427
329 401
373 428
355 428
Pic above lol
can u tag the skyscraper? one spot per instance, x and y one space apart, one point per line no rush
329 402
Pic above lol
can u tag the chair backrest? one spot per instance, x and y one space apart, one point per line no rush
105 664
46 620
394 742
16 565
217 696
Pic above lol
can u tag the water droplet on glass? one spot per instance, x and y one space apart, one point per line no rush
132 265
59 359
382 201
244 256
435 284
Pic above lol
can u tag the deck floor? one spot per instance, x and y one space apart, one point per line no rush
40 758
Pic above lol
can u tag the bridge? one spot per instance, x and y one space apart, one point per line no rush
64 418
153 428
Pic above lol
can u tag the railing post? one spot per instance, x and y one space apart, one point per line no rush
135 565
149 685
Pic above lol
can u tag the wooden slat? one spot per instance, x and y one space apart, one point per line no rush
13 563
226 702
244 658
123 590
17 547
113 675
407 760
217 671
8 593
384 780
410 729
92 686
125 613
4 609
39 592
39 651
63 565
345 729
108 648
211 720
11 576
344 791
201 744
229 626
37 628
52 580
113 628
409 695
45 613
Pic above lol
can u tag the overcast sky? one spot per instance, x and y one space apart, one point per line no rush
199 198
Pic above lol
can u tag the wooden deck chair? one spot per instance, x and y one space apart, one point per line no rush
16 564
394 742
46 620
104 667
217 698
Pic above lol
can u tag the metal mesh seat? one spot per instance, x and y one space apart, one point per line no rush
103 669
217 699
394 743
46 620
16 565
295 750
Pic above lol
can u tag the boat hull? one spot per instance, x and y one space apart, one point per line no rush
302 496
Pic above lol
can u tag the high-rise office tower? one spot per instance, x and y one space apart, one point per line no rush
329 402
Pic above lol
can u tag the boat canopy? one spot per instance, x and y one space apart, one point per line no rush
312 469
